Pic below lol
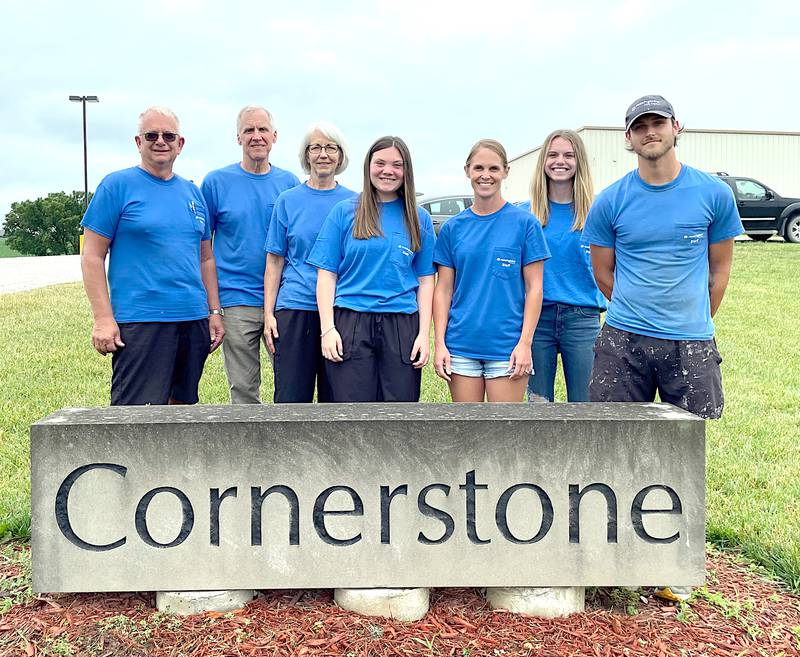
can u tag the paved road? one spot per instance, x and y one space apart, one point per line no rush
17 274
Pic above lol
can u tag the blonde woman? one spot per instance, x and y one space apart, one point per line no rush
489 290
561 194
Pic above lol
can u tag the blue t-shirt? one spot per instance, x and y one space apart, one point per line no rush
660 236
155 227
239 208
568 276
296 221
488 254
379 274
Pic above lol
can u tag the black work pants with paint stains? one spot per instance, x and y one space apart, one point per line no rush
629 367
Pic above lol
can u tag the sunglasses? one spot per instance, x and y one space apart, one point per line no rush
168 137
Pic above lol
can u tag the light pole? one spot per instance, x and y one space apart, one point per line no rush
83 100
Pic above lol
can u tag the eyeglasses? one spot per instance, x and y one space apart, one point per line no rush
316 149
168 137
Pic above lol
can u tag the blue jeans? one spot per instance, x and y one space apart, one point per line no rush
572 331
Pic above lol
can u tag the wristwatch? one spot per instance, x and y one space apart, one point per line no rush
216 311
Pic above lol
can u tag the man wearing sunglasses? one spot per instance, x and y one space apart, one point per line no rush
162 317
240 198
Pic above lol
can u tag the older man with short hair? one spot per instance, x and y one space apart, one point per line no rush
240 198
158 313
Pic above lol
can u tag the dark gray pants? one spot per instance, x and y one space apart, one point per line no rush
629 367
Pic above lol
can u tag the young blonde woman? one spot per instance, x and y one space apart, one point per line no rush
489 291
561 194
374 257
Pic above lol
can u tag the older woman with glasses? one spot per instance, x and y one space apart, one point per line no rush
291 318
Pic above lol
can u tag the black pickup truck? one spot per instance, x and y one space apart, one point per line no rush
764 213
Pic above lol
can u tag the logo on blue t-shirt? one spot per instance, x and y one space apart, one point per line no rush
199 213
693 238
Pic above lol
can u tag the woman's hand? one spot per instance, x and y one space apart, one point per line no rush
441 362
421 351
520 363
332 346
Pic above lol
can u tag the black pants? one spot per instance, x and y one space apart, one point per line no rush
160 360
298 363
631 367
377 357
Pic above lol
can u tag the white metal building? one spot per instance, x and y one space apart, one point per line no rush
770 157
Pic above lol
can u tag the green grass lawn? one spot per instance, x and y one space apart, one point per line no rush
6 251
753 453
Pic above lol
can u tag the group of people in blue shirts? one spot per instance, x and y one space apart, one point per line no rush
351 285
342 287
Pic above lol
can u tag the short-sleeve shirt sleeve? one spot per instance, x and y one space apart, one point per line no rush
535 246
599 228
209 194
103 213
423 260
201 208
442 254
726 223
327 252
277 241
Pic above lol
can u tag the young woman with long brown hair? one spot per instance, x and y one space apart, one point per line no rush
374 257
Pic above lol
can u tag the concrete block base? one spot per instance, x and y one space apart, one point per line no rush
401 604
545 602
187 603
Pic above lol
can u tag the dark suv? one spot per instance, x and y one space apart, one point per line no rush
764 212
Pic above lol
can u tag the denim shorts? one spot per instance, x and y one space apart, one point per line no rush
488 369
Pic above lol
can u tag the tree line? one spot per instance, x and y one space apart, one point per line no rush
46 226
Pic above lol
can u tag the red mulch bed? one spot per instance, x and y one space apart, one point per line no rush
753 617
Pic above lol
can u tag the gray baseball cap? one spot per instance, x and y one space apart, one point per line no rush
648 105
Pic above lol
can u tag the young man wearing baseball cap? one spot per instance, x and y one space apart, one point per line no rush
661 243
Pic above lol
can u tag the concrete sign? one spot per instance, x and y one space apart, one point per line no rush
367 495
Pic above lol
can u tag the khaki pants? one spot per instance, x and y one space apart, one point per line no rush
241 352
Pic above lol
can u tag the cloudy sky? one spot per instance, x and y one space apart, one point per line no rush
439 73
